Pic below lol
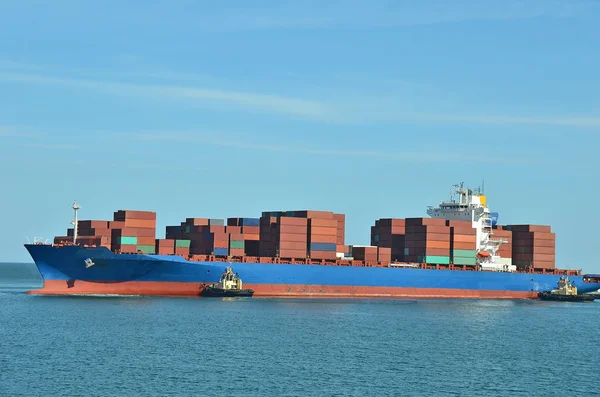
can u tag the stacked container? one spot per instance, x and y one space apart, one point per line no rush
390 233
364 253
463 243
250 229
505 250
134 231
533 246
285 237
427 241
384 254
322 238
341 228
236 244
165 246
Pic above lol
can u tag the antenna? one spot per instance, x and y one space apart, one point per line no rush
74 222
483 186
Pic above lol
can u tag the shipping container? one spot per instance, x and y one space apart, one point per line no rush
322 247
328 223
221 251
146 241
529 228
464 261
126 240
92 224
252 248
297 254
134 231
236 244
322 255
165 243
183 251
236 251
250 229
146 249
123 215
322 239
182 243
425 221
233 229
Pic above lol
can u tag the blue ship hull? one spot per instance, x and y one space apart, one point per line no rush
78 270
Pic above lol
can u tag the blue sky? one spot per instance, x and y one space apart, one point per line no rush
370 108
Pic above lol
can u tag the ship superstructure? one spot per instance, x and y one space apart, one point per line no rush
471 205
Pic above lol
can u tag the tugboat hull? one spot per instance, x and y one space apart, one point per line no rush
548 296
216 292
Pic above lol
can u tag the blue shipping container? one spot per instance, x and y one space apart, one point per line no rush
222 251
250 222
322 247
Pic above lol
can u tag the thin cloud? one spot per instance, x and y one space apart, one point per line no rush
271 103
362 111
412 156
46 145
385 14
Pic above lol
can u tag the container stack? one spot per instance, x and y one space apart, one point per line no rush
384 254
284 237
533 246
133 231
505 250
390 233
364 253
202 236
322 238
165 246
341 229
250 229
463 243
427 241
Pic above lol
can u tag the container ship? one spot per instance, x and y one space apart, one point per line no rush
458 251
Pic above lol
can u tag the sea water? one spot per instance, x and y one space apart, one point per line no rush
150 346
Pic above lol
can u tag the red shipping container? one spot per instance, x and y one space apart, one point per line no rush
146 241
165 243
464 246
236 252
291 229
92 224
183 251
332 223
251 237
165 250
293 237
314 214
323 239
297 254
197 221
122 215
322 255
292 245
250 229
293 221
324 231
341 248
134 232
116 224
236 237
126 249
233 229
141 223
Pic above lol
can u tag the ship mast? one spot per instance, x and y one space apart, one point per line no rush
74 221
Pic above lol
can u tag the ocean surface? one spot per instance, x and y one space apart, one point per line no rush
148 346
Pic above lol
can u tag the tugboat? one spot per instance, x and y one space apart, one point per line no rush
566 292
229 285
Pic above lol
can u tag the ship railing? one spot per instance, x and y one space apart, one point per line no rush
416 265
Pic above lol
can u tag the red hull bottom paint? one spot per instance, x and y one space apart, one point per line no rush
272 290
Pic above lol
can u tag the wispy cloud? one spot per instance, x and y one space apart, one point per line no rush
315 14
359 111
415 156
264 102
